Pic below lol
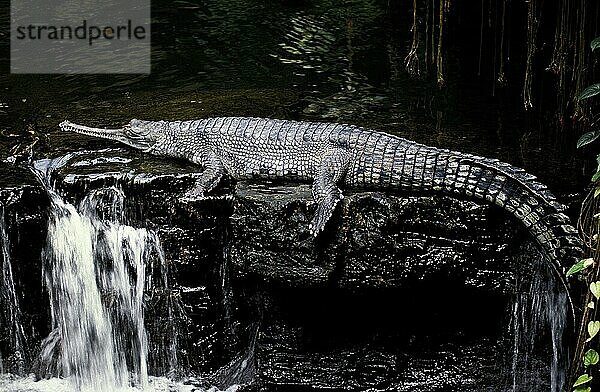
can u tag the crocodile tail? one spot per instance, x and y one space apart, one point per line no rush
402 164
519 193
414 166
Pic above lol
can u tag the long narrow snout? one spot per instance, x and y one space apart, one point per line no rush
124 135
114 134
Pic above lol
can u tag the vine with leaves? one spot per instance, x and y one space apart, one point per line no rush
589 223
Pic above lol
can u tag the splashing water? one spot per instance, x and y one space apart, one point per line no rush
539 315
95 272
29 384
99 273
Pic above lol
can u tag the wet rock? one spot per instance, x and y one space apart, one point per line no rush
327 307
373 240
24 214
433 336
401 292
449 367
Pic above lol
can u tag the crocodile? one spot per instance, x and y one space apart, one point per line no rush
331 155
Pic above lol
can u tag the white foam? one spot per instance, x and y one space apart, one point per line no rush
11 383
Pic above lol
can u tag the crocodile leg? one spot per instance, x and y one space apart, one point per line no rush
208 180
325 191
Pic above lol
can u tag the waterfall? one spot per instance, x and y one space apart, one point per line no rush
14 335
538 319
95 273
114 317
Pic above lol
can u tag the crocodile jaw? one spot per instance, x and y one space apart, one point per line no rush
124 135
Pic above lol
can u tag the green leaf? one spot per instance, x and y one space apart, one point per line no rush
593 328
595 43
590 91
591 305
587 138
583 389
584 378
597 191
580 266
577 267
596 176
595 289
591 357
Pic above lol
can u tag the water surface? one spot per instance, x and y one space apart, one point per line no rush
312 60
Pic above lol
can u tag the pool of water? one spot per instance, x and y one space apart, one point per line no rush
309 60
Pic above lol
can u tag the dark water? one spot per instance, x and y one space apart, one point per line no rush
309 60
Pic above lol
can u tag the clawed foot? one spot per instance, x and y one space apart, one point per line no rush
323 214
317 225
191 196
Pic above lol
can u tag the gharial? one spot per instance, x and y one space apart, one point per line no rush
331 155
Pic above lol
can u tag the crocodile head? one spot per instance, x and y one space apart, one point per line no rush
143 135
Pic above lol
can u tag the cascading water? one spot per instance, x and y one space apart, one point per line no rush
97 307
95 272
14 336
115 319
539 317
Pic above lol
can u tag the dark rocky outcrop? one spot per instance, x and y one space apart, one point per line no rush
402 292
376 240
24 205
